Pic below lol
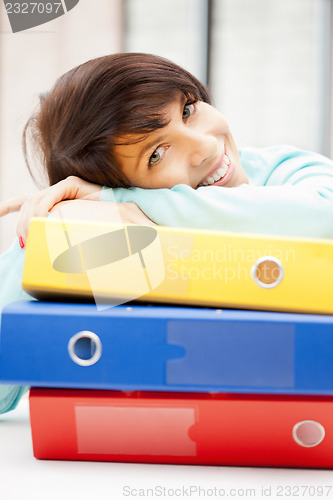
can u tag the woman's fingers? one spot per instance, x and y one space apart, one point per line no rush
80 189
74 188
28 210
12 205
41 203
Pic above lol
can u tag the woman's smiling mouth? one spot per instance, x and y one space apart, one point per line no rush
221 174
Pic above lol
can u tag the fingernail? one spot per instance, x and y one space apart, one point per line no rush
21 242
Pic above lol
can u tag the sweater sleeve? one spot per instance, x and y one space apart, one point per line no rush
10 396
291 210
11 267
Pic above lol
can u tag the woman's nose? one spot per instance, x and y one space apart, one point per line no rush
201 147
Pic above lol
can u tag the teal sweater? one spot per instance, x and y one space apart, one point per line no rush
11 267
290 192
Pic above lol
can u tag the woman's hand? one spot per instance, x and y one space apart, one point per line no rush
39 204
81 193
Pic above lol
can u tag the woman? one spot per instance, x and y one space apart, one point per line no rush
128 120
144 129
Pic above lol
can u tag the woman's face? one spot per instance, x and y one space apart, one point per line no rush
195 148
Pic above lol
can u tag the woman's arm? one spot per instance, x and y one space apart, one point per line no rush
303 211
280 210
81 194
10 396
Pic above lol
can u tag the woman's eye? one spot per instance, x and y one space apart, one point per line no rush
156 156
188 110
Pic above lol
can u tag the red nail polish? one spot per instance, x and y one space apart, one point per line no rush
21 242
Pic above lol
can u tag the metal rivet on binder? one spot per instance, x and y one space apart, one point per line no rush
85 348
308 433
267 272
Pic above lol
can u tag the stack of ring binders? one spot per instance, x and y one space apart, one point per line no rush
162 345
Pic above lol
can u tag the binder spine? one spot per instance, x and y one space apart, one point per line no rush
118 264
166 349
265 431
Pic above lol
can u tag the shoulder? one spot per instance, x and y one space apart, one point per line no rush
278 153
259 163
270 155
278 164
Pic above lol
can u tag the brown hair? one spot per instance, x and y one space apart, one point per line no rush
93 105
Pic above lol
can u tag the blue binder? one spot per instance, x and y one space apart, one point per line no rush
166 349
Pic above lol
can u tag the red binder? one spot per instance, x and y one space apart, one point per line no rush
182 428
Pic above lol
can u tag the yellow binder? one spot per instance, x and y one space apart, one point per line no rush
111 263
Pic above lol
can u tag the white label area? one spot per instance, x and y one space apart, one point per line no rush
130 430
